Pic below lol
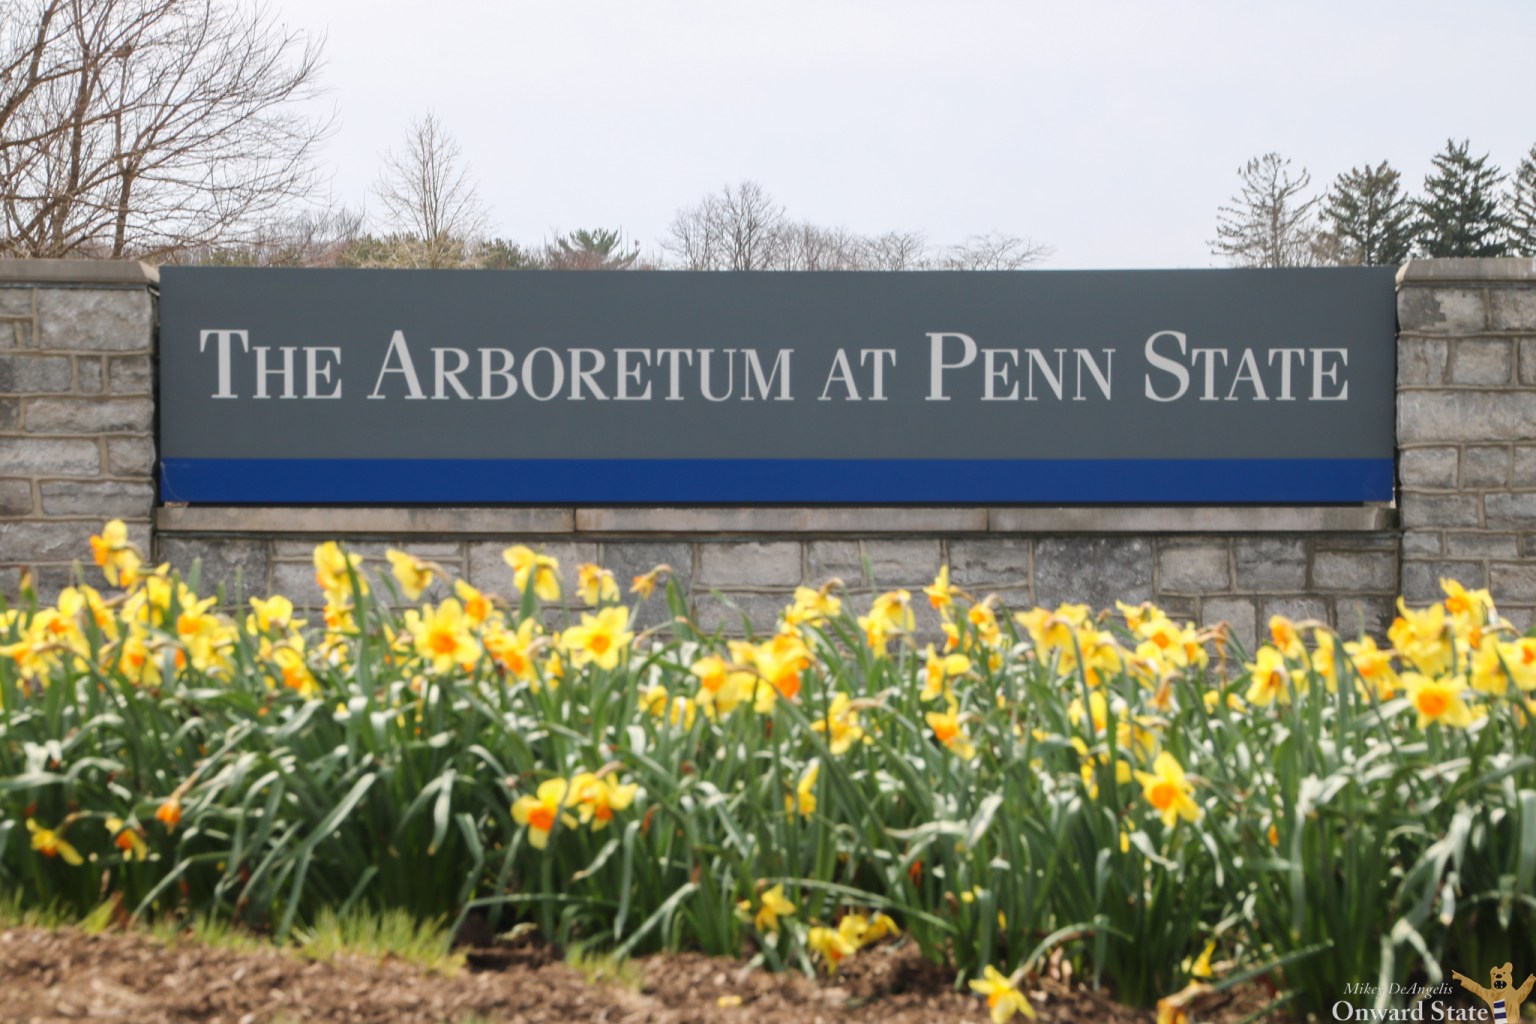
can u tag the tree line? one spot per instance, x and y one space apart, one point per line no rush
1466 207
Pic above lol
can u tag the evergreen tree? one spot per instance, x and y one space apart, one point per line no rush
591 250
1269 222
1370 218
1522 207
1459 214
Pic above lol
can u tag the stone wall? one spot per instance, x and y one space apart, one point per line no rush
76 448
77 411
1238 565
1466 428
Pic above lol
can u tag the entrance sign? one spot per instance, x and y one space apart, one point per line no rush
287 386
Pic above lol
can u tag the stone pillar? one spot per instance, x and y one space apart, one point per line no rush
1466 428
77 413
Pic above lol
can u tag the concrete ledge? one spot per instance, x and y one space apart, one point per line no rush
781 520
78 272
335 522
1447 271
1258 519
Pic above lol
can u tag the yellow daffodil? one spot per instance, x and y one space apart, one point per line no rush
516 650
1003 999
841 724
813 607
804 799
274 614
645 584
126 837
116 555
442 636
334 569
1272 679
938 671
541 811
52 843
1423 637
541 569
595 584
832 946
601 639
597 798
478 607
772 905
413 575
1169 791
948 731
1374 667
1437 700
940 594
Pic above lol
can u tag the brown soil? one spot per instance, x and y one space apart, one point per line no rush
55 976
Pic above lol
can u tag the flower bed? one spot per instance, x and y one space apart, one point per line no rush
1132 794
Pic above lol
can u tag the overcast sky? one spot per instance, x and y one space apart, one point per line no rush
1108 130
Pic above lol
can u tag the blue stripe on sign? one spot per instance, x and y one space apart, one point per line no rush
774 481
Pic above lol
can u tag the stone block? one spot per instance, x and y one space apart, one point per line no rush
1422 360
130 456
628 559
239 564
103 499
15 301
15 498
88 369
1484 466
1202 569
1512 309
1513 581
49 580
1510 510
10 413
758 564
1238 612
25 373
1270 564
1297 609
1354 572
31 541
89 415
371 550
1423 542
990 563
1524 475
1419 510
131 375
1421 580
1482 545
872 564
1520 618
1357 542
1450 416
739 614
1528 360
296 582
50 456
1096 571
1441 311
92 320
1486 361
1432 468
1364 616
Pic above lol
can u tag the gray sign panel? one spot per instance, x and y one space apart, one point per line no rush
489 386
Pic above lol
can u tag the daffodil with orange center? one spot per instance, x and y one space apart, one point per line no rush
540 812
601 639
813 607
541 570
1169 791
780 661
478 607
938 671
941 595
441 635
115 554
1272 679
335 569
516 650
596 798
1423 638
1373 666
646 583
1003 998
841 724
948 730
127 837
1438 699
51 843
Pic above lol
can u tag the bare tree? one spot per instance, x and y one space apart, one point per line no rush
149 128
895 250
312 238
740 228
1269 222
994 251
434 209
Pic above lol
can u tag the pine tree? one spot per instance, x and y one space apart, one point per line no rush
1269 222
591 250
1370 217
1522 207
1459 214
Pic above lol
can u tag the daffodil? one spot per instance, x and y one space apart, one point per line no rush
1271 679
1423 638
938 671
126 837
841 724
169 812
940 594
595 584
1374 668
541 811
442 636
600 639
804 799
813 607
645 584
335 569
948 731
831 945
413 575
596 798
51 843
772 905
542 570
478 607
1003 998
116 555
1169 791
516 650
1437 699
274 614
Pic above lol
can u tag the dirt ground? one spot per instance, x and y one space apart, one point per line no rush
56 976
